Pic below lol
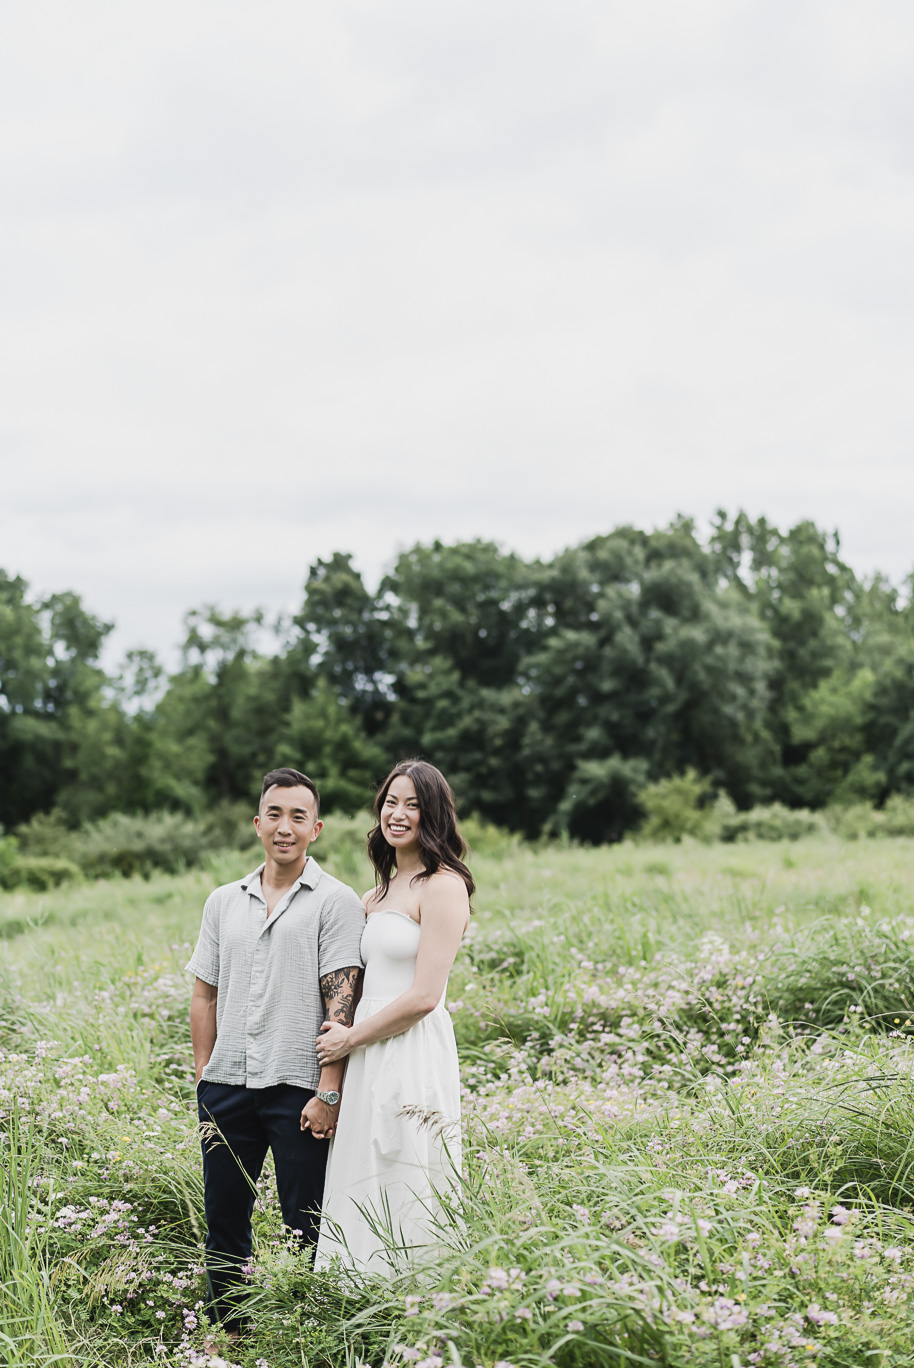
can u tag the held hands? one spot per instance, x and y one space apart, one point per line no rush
319 1119
333 1043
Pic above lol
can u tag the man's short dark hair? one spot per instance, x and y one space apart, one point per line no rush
290 778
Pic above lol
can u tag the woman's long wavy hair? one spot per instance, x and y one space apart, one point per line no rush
441 845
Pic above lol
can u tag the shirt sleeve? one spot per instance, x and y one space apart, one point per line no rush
342 924
204 962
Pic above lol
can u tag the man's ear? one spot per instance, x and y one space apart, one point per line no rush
318 828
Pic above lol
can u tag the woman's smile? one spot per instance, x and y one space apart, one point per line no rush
400 812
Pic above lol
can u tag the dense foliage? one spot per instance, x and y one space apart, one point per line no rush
551 692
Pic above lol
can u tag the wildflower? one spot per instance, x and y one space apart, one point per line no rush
725 1314
406 1352
576 1326
412 1305
553 1288
815 1313
840 1215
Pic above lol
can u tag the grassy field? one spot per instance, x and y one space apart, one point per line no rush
689 1123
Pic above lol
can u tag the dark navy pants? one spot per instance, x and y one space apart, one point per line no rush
248 1122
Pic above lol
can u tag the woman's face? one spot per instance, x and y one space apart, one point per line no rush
400 814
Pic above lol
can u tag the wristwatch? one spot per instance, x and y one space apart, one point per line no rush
331 1098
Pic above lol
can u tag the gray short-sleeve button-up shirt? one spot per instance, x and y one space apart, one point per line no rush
267 971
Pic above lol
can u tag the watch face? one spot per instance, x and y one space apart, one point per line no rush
331 1098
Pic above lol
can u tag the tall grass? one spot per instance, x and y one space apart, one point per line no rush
31 1331
688 1086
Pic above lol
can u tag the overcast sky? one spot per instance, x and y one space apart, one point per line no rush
279 279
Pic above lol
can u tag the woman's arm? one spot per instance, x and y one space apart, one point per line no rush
445 912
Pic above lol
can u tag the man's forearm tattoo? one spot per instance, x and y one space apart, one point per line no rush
339 993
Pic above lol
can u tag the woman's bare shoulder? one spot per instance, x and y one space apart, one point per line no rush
446 875
446 883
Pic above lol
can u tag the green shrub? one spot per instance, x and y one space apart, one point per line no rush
678 806
230 826
772 822
899 815
859 820
856 821
484 838
42 835
9 852
129 844
40 873
340 849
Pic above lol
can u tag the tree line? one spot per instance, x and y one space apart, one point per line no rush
551 692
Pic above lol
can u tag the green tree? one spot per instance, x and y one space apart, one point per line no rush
51 689
470 604
831 721
214 731
348 638
323 737
890 724
646 660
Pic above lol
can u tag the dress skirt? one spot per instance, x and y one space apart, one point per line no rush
395 1160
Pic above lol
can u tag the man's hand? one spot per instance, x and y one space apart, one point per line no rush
319 1119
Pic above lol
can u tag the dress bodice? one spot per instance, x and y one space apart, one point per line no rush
390 943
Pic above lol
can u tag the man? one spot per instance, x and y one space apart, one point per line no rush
278 954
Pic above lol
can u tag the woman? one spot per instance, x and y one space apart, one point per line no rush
397 1142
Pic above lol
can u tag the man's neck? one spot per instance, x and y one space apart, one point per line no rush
282 876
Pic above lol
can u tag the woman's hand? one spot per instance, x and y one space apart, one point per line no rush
333 1043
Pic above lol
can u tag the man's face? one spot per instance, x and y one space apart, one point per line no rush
287 823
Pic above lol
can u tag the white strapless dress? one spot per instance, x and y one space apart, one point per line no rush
397 1145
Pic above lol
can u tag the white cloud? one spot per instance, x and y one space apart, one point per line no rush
279 281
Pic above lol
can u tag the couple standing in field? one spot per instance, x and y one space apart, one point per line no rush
293 975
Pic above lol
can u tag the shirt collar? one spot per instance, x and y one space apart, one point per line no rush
310 877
